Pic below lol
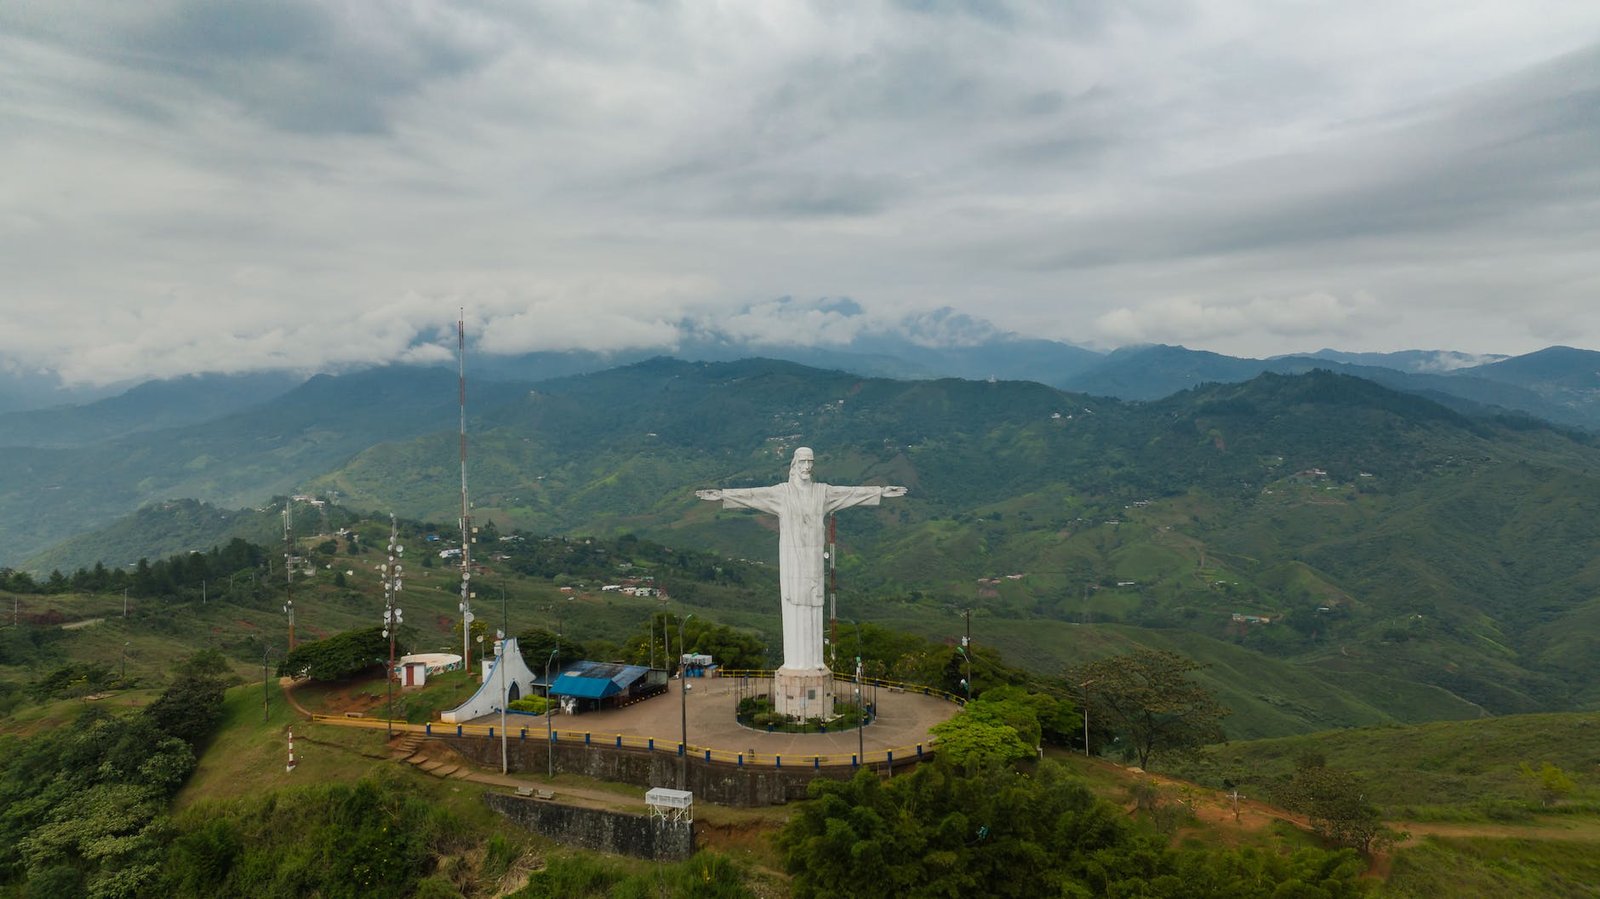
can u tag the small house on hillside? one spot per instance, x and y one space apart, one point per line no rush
413 670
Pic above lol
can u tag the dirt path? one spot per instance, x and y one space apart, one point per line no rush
287 685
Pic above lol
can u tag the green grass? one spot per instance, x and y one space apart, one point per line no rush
1446 763
248 756
1504 869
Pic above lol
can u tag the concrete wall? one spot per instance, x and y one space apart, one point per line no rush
718 782
643 836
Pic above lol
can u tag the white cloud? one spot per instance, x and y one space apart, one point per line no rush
1262 319
316 184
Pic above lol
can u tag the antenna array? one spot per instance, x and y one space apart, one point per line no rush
391 569
467 530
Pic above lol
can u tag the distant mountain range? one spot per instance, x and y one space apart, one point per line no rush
1419 560
236 439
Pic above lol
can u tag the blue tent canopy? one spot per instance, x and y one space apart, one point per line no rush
584 687
597 680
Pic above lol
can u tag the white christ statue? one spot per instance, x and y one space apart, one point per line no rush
802 506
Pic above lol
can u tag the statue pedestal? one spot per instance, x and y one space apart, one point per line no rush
803 693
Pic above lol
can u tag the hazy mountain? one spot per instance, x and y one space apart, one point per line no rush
165 529
1152 372
1549 384
1412 361
24 390
1563 373
148 407
240 459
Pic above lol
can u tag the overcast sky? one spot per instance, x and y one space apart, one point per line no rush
210 186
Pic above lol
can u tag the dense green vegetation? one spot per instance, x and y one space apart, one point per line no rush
586 877
339 656
997 832
175 577
83 807
372 838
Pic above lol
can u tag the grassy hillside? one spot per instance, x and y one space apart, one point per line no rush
1469 764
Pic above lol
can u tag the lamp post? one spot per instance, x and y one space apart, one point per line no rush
683 705
966 652
500 659
124 678
266 697
549 709
861 718
1086 717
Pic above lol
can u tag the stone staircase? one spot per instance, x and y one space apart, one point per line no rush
406 748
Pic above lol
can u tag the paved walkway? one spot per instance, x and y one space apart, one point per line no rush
903 722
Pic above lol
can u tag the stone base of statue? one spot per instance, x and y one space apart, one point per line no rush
803 693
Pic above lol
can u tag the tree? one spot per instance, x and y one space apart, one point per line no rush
975 740
1552 783
537 643
1335 804
190 708
339 656
1147 698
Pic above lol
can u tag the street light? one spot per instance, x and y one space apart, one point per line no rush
683 704
500 659
1086 716
125 646
549 709
861 718
266 697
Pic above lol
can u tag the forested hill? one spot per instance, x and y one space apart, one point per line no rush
1378 534
1377 538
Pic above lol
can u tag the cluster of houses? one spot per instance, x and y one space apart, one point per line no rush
995 581
634 587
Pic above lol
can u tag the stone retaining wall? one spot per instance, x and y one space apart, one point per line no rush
716 782
642 836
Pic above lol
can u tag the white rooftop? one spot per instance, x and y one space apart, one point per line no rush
669 798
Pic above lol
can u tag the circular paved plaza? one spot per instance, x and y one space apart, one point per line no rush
903 721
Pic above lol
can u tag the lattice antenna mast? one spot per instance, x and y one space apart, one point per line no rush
288 566
392 585
466 505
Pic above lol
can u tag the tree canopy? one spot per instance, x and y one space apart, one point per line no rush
1003 833
1147 699
339 656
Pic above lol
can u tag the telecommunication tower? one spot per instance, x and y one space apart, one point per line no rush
288 566
391 569
467 530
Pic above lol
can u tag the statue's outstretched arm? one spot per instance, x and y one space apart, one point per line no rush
761 499
845 497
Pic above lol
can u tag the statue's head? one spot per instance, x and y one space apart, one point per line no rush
800 468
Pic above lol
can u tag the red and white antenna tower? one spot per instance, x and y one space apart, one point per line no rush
467 529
